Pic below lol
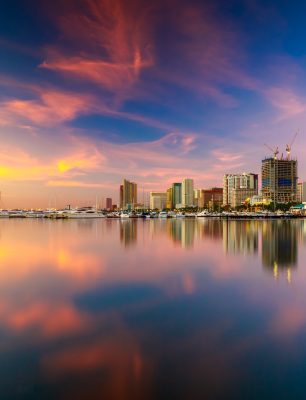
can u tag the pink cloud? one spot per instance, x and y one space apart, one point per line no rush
286 101
116 39
52 107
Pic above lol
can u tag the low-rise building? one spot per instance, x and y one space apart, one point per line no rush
239 196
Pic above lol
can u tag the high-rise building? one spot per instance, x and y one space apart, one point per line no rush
187 193
301 192
128 194
108 203
197 196
238 187
279 179
176 195
158 200
169 204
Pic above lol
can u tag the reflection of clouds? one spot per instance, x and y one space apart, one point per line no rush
154 302
289 320
48 320
189 283
63 254
38 280
81 265
118 358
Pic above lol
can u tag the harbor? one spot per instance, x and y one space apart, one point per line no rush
92 213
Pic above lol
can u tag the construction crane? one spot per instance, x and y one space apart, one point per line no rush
289 146
274 151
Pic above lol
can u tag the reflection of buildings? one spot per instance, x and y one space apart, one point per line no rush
210 228
279 246
240 237
182 231
128 231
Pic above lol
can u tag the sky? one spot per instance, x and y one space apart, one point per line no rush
94 91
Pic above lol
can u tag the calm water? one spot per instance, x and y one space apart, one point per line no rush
153 309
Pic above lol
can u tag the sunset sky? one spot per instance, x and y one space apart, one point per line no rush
93 91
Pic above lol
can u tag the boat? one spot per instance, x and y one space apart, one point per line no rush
190 215
124 215
82 213
203 213
35 214
16 214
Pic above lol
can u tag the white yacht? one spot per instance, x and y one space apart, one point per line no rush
124 215
203 213
83 213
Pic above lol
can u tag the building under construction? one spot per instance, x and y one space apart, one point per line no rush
279 179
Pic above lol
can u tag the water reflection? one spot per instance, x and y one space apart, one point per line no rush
240 237
128 231
280 246
151 309
182 232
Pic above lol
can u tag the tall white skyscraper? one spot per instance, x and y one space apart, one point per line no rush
187 193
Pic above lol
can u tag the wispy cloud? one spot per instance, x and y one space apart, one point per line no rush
115 35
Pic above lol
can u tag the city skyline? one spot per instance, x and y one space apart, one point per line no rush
157 95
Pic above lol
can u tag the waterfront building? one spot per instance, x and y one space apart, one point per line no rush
158 200
301 192
303 198
176 195
128 194
187 193
108 203
279 179
212 197
198 198
238 187
241 196
169 203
